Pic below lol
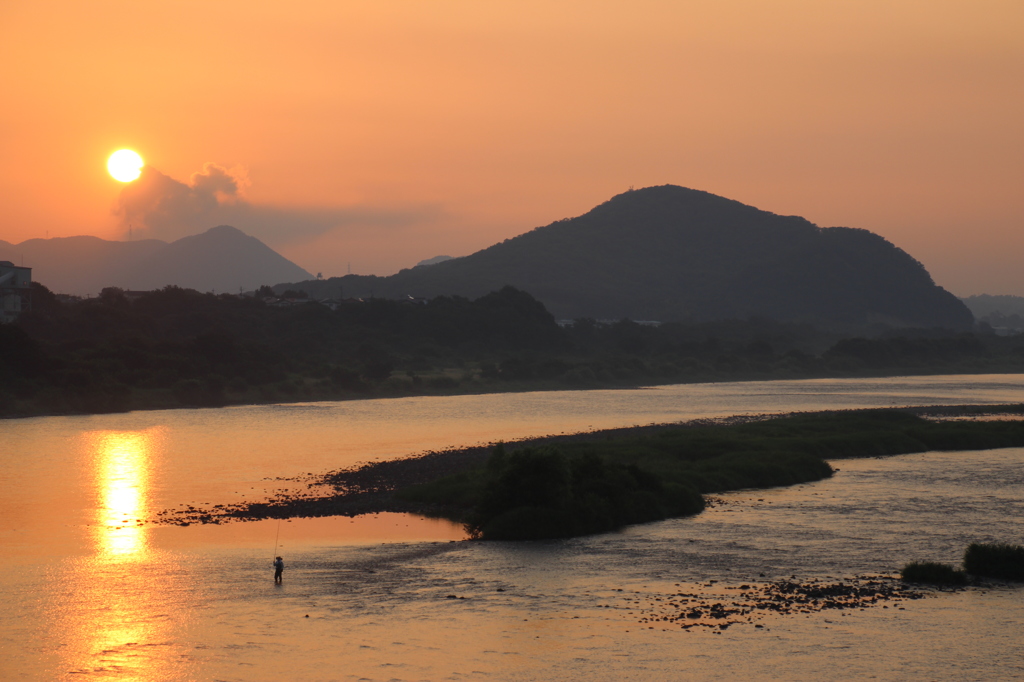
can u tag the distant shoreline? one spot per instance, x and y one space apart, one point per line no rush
149 403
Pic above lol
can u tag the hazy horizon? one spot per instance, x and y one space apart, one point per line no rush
382 134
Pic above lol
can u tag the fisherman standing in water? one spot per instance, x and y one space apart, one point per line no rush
278 569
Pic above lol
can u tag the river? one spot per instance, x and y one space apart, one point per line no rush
94 591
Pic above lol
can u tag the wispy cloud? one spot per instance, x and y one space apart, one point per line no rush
161 207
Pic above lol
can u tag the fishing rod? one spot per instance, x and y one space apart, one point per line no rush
277 537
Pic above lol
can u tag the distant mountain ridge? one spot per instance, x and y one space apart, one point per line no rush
432 261
983 305
222 259
1005 313
670 253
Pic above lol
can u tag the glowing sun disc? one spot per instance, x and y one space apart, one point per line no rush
125 165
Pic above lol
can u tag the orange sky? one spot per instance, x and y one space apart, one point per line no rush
384 132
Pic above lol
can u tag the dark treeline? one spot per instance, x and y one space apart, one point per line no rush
177 347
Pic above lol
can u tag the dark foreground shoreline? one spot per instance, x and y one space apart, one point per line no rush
370 488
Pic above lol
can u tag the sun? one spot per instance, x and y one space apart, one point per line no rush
125 165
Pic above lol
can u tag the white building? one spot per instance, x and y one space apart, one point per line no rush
15 290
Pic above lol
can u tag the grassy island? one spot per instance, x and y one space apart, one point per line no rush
569 485
590 486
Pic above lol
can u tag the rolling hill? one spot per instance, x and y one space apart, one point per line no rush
222 259
673 254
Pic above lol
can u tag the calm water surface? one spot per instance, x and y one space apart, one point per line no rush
91 593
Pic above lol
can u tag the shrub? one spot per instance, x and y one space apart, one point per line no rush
1005 562
932 573
537 493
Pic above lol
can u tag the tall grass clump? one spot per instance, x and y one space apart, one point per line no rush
1005 562
932 573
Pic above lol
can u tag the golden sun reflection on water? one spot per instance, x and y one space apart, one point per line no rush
123 471
120 613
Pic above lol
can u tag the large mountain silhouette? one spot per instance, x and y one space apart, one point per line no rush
670 253
222 259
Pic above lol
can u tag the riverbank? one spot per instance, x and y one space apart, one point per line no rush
299 390
376 487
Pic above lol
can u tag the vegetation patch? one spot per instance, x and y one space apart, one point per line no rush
1003 562
932 573
544 493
